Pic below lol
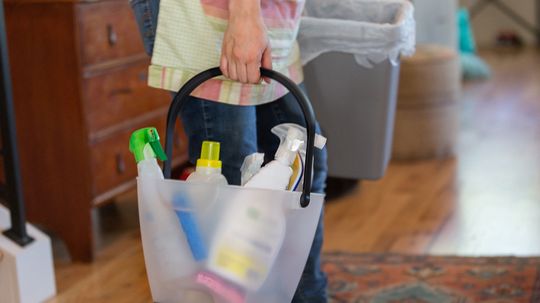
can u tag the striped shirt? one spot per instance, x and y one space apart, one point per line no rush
189 37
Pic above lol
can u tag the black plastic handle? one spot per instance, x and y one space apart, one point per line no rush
182 96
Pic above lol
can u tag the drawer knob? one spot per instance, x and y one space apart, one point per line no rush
111 34
120 164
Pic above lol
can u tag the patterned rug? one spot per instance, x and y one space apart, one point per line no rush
390 278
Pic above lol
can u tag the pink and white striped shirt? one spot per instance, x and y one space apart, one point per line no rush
189 37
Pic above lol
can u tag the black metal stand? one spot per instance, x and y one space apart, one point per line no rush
508 11
13 190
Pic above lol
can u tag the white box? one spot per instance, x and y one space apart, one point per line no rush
26 273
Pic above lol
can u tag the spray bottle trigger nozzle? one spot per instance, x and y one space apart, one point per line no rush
153 140
158 150
144 143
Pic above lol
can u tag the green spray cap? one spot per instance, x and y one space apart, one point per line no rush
144 144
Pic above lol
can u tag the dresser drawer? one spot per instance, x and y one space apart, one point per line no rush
107 31
120 95
112 162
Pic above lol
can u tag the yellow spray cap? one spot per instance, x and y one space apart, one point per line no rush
209 155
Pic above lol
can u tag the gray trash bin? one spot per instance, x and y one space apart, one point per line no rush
351 53
356 113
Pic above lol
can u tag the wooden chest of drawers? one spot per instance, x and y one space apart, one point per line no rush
79 77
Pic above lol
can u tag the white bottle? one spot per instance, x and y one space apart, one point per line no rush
208 171
297 179
163 243
277 174
208 168
251 233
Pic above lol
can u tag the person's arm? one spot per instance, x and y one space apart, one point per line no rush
245 45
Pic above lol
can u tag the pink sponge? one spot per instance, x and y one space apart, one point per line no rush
221 287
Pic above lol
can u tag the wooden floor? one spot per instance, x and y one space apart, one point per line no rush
486 201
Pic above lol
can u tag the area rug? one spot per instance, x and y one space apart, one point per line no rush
391 278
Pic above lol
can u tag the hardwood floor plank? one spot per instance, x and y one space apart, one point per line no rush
498 203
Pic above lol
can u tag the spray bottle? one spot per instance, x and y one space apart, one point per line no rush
163 240
297 178
277 173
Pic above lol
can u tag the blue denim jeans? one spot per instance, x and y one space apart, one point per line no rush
243 130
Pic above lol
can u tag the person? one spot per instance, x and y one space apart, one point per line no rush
240 36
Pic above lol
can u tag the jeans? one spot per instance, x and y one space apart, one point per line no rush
243 130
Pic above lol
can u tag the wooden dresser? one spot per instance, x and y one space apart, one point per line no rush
79 79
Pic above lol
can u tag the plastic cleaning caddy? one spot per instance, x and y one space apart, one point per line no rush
171 268
351 51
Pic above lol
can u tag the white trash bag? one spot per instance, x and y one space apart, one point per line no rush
372 30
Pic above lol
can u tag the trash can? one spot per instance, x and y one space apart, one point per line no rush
351 50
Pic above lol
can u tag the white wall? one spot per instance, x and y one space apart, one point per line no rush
491 20
436 22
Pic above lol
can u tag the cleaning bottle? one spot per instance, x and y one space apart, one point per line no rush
163 240
297 178
145 146
208 169
247 241
277 173
250 233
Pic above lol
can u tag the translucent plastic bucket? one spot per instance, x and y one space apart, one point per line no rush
174 273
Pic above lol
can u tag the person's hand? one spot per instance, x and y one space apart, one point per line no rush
245 45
